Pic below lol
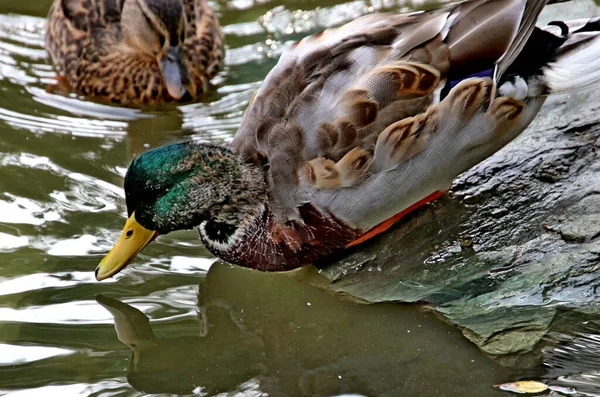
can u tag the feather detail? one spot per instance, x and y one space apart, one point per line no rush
354 166
408 137
358 108
323 173
506 112
203 47
395 80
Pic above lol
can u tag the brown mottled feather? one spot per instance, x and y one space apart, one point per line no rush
408 137
84 40
363 121
203 47
359 106
505 110
324 173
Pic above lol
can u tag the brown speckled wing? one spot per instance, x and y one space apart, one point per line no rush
71 26
86 15
327 98
349 114
203 44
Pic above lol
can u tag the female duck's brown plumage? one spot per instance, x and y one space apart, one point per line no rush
135 52
356 126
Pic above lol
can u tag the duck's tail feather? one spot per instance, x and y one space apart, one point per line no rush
498 39
561 57
576 63
531 12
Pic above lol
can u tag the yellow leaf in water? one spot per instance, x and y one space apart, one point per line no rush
522 387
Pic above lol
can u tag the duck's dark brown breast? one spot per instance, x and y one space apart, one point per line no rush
267 246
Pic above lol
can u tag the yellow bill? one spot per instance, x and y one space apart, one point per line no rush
133 239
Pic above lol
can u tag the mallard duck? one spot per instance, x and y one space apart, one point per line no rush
356 126
135 52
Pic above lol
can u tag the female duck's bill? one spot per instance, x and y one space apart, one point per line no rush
175 74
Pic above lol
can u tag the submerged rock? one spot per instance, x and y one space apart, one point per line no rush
516 237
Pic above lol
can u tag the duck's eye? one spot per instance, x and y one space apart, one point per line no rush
161 40
129 233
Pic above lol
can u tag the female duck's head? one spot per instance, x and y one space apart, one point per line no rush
182 186
157 28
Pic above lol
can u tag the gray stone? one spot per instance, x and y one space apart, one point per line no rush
517 235
579 228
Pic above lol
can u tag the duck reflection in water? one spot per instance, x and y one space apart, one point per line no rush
286 338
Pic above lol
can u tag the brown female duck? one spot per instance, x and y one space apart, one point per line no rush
134 52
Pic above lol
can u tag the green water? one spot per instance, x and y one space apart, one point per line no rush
225 331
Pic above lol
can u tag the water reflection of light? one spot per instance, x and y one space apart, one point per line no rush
187 265
9 242
220 119
21 211
106 388
250 388
32 282
81 192
241 4
11 354
81 312
572 358
50 391
79 246
168 305
244 54
28 29
82 178
90 109
243 29
28 160
68 125
23 51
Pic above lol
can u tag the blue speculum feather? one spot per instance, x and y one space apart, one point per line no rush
453 82
483 73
